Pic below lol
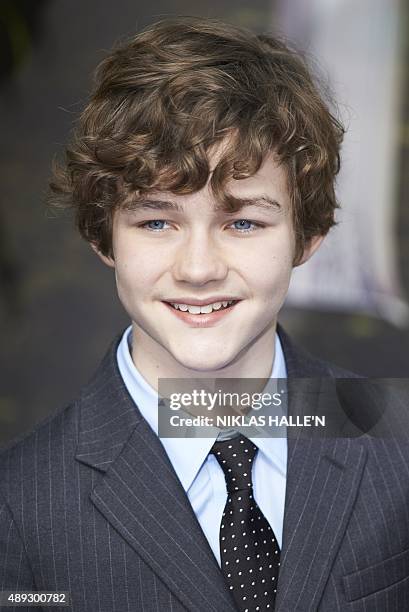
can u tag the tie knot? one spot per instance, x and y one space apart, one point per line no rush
235 457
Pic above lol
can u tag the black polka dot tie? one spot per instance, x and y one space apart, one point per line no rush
250 555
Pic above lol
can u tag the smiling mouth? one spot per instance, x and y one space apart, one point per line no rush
195 318
203 310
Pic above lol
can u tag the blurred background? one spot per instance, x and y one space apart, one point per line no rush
58 304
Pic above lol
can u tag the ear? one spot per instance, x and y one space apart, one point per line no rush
312 245
108 261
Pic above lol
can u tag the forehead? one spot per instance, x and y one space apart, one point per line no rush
266 189
271 177
272 173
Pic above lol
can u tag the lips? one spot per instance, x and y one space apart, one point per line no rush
192 301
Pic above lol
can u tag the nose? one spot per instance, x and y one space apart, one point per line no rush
199 260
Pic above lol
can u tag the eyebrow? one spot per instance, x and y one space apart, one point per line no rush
262 201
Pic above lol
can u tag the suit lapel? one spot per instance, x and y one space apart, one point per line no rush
322 484
323 477
140 495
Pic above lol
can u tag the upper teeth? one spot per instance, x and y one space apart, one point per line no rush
202 309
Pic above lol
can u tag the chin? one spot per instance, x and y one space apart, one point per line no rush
205 364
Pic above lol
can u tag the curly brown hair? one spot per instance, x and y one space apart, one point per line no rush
166 96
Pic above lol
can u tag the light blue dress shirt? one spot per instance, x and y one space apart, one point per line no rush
199 473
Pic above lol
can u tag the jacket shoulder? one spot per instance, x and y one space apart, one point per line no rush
301 364
327 368
19 457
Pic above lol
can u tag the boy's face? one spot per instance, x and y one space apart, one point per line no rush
195 253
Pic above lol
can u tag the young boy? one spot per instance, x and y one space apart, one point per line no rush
201 171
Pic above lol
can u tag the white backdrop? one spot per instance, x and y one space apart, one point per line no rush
357 44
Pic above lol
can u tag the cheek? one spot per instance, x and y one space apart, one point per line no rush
276 280
273 284
136 267
131 280
268 269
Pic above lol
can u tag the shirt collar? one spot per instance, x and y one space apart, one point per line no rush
188 454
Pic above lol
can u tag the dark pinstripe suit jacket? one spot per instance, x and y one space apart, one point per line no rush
90 504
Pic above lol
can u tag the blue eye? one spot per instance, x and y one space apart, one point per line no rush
155 225
244 225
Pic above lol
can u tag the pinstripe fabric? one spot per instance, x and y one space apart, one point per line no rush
89 503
